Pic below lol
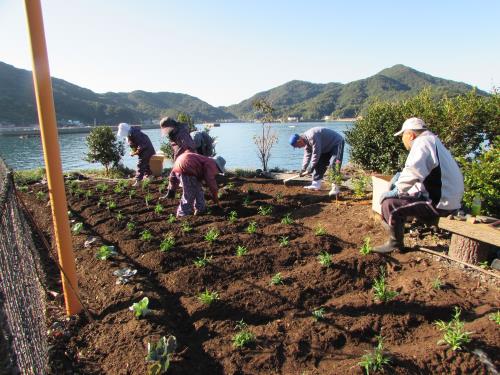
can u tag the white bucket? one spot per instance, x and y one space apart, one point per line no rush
380 184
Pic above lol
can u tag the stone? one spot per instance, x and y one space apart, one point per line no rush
496 264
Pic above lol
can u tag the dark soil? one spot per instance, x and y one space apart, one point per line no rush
288 339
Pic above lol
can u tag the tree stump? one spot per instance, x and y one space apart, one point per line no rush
468 250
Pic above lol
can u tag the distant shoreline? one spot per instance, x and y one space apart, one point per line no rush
20 131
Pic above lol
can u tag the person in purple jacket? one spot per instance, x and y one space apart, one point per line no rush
141 146
323 148
178 135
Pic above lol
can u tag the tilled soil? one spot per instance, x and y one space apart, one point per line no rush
288 339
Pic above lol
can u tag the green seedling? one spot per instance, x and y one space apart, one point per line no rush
118 189
132 193
208 297
375 361
380 289
437 284
105 252
168 243
158 209
484 265
241 250
202 262
101 188
277 279
148 198
454 334
131 226
284 241
186 228
319 314
160 354
140 308
252 227
287 219
247 201
120 216
359 185
145 184
171 219
88 194
244 337
23 188
162 187
77 228
146 235
325 259
366 248
232 217
101 202
79 192
111 205
265 210
495 317
230 186
279 197
211 235
320 231
41 196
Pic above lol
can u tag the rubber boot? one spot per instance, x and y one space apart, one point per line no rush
395 242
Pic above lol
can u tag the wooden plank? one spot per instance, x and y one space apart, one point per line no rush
479 232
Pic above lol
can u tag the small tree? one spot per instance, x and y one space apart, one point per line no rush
268 138
103 147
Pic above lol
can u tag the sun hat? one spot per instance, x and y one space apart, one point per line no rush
413 123
123 130
221 163
293 139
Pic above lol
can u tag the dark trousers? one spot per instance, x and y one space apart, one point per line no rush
396 210
143 168
328 159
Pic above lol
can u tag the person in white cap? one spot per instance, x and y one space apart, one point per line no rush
430 184
141 146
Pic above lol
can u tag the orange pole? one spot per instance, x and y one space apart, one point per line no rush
51 154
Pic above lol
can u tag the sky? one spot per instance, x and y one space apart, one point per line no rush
226 51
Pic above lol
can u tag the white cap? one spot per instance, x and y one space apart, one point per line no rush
413 123
123 130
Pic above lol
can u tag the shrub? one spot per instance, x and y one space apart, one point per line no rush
103 147
463 123
268 138
482 177
454 334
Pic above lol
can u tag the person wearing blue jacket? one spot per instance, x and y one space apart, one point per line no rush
141 146
323 147
429 186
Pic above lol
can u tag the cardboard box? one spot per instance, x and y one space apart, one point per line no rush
380 185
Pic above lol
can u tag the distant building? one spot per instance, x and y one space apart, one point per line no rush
328 118
292 119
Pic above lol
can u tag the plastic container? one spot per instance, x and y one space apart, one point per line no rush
380 184
156 164
476 206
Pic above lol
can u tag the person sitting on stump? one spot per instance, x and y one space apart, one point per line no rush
429 186
323 147
141 146
191 169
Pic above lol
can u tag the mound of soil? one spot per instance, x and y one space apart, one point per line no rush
288 339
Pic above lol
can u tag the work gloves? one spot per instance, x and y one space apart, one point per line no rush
389 194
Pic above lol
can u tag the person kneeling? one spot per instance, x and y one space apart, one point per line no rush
191 169
429 186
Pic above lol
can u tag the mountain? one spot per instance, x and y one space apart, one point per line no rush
310 101
17 103
313 101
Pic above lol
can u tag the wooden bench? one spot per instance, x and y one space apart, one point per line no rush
470 243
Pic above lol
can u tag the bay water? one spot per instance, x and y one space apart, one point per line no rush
234 143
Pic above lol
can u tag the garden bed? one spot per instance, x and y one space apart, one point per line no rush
288 340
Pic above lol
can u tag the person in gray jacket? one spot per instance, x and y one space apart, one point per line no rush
203 143
323 147
430 184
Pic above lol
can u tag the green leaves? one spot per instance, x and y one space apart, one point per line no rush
207 297
325 259
211 235
103 147
105 252
168 243
140 308
244 337
375 361
160 354
454 334
381 290
77 228
366 248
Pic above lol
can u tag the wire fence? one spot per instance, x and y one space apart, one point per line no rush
23 340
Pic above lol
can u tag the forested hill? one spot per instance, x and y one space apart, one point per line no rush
17 103
312 101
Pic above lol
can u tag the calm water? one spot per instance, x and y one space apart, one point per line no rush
234 143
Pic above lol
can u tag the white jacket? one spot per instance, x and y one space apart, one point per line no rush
431 170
